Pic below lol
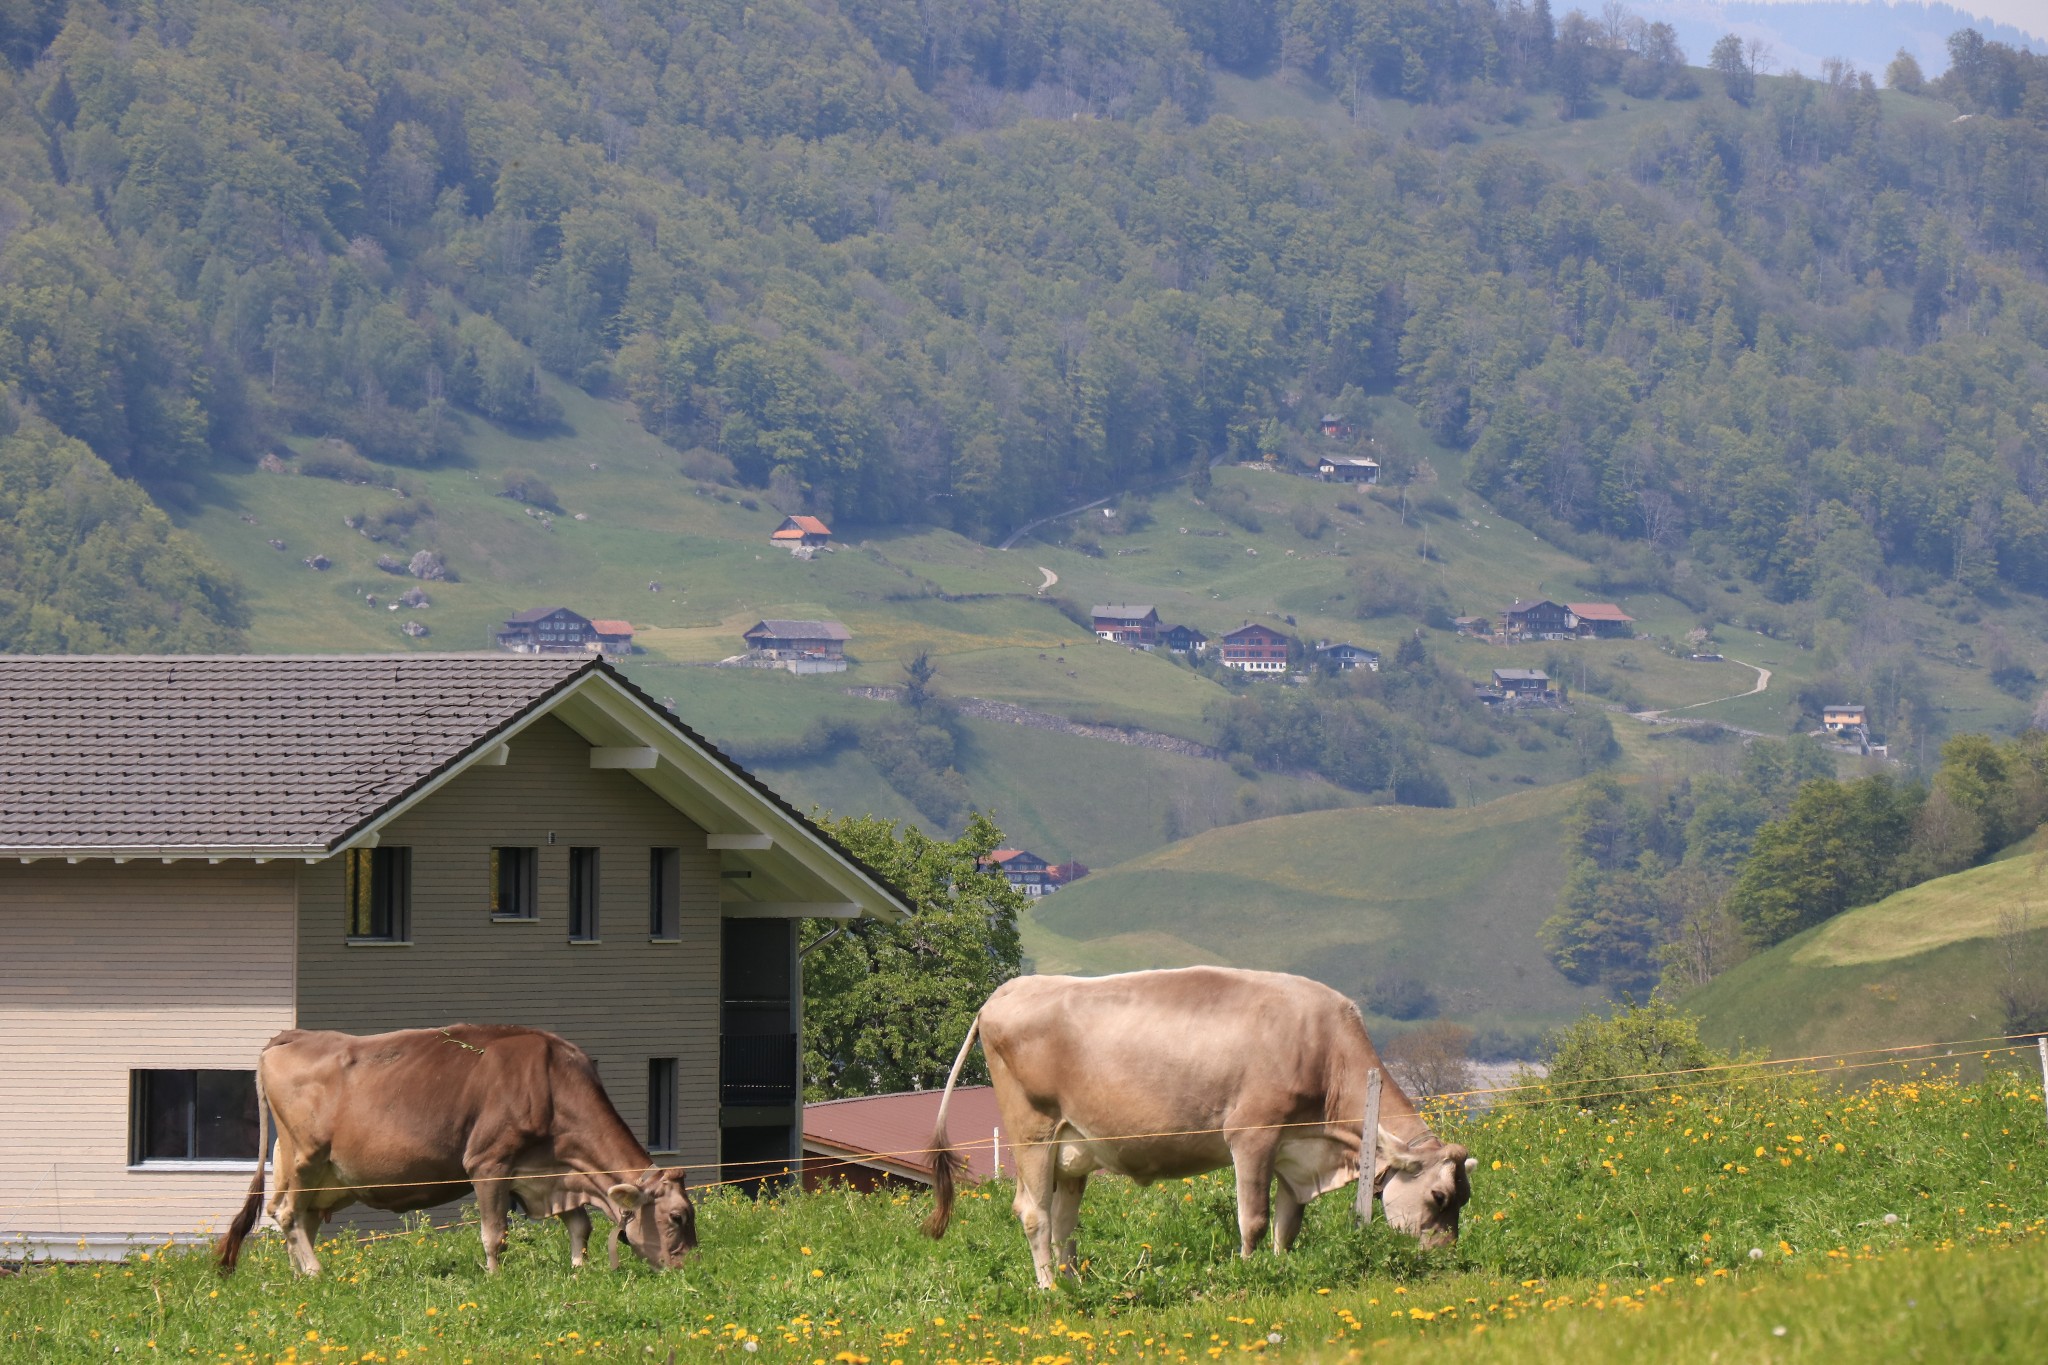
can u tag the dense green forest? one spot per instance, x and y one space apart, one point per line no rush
957 263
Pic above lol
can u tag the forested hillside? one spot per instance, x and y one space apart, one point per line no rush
959 263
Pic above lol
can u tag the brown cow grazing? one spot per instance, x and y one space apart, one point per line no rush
407 1120
1154 1075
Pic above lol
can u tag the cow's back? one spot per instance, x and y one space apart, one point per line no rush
1178 1051
402 1106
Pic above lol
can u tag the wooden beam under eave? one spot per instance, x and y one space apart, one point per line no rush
789 910
631 756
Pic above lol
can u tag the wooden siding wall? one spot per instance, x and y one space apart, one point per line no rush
104 968
623 999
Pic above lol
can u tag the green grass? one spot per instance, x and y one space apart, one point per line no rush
1452 896
1619 1230
1923 965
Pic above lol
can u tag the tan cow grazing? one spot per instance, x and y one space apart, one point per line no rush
1155 1075
408 1120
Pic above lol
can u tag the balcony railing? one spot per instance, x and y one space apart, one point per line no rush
760 1070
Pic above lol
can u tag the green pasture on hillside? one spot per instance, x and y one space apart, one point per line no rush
1454 897
1903 1219
1926 964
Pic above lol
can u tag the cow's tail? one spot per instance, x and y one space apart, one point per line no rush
946 1163
230 1248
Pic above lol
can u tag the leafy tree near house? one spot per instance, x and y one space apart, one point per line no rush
1838 847
886 1005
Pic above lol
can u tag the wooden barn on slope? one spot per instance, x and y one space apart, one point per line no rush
199 852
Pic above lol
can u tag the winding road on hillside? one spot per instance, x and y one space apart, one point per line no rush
1010 541
1050 579
1763 681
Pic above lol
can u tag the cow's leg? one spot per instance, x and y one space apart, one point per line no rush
493 1203
578 1222
1286 1216
1066 1217
1252 1154
299 1218
1037 1181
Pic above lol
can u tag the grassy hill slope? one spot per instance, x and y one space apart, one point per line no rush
1924 965
1451 896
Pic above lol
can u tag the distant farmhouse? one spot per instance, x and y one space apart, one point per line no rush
801 533
1127 623
1184 640
1538 620
1837 717
1253 648
1472 625
612 637
1335 426
1030 874
797 646
1345 657
1521 682
199 852
1601 621
547 630
1348 469
558 630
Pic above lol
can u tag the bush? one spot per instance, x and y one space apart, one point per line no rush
1234 505
1609 1060
523 485
1401 997
1310 521
337 460
707 465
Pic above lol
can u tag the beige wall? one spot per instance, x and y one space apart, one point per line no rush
623 1000
105 968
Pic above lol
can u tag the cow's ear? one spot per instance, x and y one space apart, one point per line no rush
627 1197
1400 1156
1471 1164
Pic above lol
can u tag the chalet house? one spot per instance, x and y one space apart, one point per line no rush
547 630
197 853
1348 469
1838 717
1345 657
1184 640
1521 682
808 639
800 533
1472 625
611 637
1255 649
1127 623
1024 870
1541 620
881 1140
1067 873
1601 621
1334 426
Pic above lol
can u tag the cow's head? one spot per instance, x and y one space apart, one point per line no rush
656 1218
1427 1185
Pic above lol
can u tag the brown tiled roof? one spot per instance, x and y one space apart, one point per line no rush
198 751
1597 611
606 626
897 1129
250 752
801 525
799 630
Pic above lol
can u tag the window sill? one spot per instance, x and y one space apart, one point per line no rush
192 1167
584 942
515 919
378 942
664 938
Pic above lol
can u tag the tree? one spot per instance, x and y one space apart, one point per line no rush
1837 848
1732 63
919 673
1903 75
1611 1060
887 1005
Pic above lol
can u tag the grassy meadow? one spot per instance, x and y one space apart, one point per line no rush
1702 1217
1925 963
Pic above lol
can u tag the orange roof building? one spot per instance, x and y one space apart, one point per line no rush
801 530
